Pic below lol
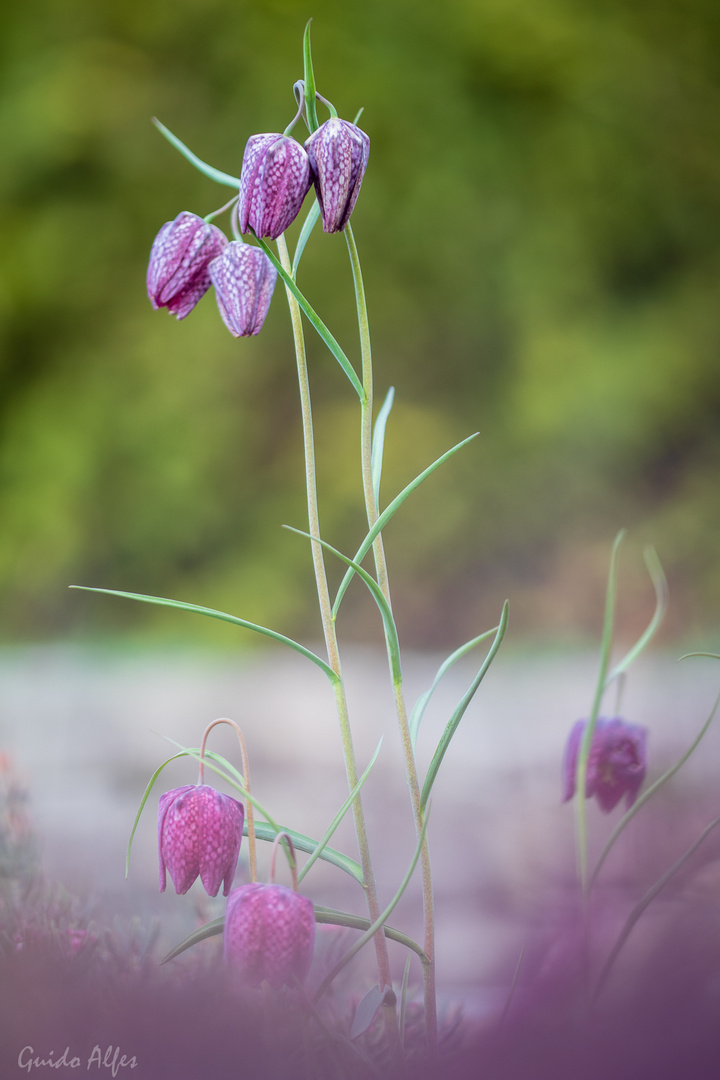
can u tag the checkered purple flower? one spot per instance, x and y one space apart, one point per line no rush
269 934
244 279
274 180
338 153
177 274
616 766
199 833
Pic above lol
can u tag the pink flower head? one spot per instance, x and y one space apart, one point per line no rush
177 274
269 934
616 766
338 153
199 832
244 279
274 180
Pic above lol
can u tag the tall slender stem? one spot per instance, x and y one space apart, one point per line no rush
371 509
383 962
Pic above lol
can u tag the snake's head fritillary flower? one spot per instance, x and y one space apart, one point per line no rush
338 153
244 279
199 833
177 274
616 766
269 934
274 180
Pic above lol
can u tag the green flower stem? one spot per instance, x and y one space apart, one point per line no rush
383 962
372 512
586 743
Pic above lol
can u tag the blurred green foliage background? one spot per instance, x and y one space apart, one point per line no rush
540 234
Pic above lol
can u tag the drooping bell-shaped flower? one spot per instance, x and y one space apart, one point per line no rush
269 934
274 180
177 274
338 153
616 766
199 832
244 279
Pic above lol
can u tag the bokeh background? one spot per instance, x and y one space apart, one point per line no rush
539 228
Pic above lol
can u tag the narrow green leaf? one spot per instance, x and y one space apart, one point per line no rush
388 513
709 655
403 1000
224 617
202 166
210 929
322 915
378 442
339 816
309 224
422 702
647 899
357 922
661 598
307 844
652 790
144 799
391 635
457 716
309 73
314 319
379 922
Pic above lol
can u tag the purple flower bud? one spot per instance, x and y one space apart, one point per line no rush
274 180
177 274
616 766
244 279
269 934
199 832
338 153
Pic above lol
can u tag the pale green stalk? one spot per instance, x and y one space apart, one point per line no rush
328 624
372 511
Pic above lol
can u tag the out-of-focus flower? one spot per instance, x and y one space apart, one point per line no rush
338 153
199 832
269 934
244 279
274 180
177 274
616 766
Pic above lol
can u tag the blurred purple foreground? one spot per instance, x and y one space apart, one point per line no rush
83 731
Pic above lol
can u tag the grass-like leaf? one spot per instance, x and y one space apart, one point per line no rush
144 799
322 915
387 514
391 635
314 319
317 853
378 442
212 613
457 716
309 224
647 899
422 702
202 166
661 598
309 76
380 921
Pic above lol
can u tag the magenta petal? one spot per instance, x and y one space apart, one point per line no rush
177 274
199 833
244 279
338 152
617 762
269 934
274 180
